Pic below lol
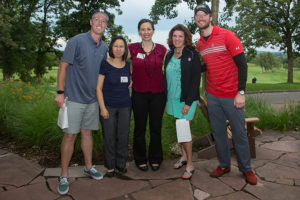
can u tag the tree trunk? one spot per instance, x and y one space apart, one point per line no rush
215 11
39 79
290 60
6 77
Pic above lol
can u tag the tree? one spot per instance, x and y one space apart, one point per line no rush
166 8
6 40
18 57
46 37
297 63
30 29
267 61
270 22
75 15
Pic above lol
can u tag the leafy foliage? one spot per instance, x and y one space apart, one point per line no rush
30 30
269 22
267 61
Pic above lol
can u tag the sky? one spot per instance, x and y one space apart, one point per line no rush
135 10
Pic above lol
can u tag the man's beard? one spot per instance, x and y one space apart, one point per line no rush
205 26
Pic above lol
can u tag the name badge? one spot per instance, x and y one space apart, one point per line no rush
124 79
141 56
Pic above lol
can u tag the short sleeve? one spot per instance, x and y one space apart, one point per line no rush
69 53
233 44
164 49
103 68
132 50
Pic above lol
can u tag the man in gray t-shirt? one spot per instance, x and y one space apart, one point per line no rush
76 81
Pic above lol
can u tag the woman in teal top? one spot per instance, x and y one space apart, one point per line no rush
182 81
174 105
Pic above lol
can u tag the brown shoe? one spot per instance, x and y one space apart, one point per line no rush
250 177
219 172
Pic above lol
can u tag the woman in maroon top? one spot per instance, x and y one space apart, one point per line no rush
148 98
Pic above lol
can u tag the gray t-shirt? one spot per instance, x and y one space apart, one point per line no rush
84 58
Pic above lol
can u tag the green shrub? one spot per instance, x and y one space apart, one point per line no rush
284 119
28 115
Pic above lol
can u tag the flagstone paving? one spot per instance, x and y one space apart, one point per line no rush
277 166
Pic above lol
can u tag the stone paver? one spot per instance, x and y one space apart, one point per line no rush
286 146
165 171
3 151
17 171
179 189
267 191
200 195
235 196
108 188
30 192
290 160
235 182
258 163
37 180
65 198
277 167
294 134
269 136
287 138
212 186
278 171
155 183
75 172
285 181
263 153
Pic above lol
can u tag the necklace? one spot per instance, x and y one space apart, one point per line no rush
147 52
147 65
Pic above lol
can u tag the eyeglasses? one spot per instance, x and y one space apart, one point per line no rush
201 16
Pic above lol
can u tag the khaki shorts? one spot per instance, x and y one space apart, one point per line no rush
82 116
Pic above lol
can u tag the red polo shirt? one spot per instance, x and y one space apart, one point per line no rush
147 74
217 53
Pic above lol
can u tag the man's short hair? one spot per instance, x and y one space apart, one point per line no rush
99 11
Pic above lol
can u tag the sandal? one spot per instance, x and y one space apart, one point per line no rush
179 164
187 175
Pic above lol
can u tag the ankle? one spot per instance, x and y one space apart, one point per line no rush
183 158
189 167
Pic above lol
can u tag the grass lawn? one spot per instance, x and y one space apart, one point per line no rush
277 75
273 80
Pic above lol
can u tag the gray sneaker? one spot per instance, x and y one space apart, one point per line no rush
93 172
63 185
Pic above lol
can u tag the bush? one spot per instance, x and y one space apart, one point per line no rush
286 119
28 116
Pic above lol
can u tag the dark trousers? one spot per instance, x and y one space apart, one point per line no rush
146 104
115 134
220 109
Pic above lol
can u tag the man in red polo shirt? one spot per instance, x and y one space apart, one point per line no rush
226 71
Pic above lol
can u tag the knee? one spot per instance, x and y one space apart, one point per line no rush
70 138
86 133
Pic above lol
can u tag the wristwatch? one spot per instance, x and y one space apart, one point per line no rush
242 92
60 91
